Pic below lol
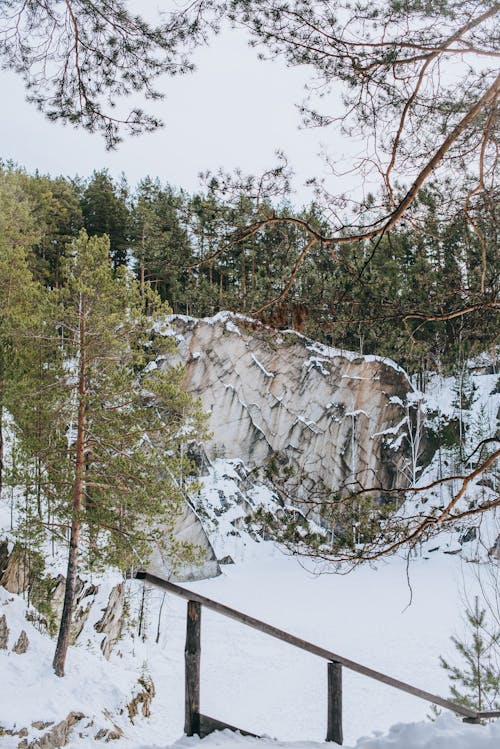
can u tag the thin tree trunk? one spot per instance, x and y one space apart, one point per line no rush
142 277
78 487
243 279
1 447
2 386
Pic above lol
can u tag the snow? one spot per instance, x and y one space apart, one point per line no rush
317 362
446 733
262 367
254 681
392 430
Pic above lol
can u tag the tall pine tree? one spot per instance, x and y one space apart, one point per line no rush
119 426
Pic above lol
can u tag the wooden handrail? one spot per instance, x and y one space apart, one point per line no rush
269 629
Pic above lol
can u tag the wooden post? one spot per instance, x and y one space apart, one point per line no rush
192 654
334 730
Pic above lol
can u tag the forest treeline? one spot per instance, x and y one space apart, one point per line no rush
197 252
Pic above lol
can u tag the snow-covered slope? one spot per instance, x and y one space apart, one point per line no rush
247 679
251 680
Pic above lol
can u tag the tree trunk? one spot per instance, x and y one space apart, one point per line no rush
78 487
2 386
142 277
1 448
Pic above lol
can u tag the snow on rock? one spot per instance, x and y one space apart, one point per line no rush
268 393
229 494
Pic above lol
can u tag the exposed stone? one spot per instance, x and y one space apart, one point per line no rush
114 735
469 535
142 699
40 725
58 735
4 633
187 529
323 415
22 643
226 560
109 734
84 597
495 549
17 576
111 623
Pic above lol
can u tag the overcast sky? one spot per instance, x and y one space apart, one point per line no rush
235 111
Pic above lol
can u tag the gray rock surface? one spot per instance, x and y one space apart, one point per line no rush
188 529
328 416
4 633
22 643
85 594
17 576
111 623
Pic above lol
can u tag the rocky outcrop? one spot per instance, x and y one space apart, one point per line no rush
85 594
142 698
4 633
325 416
18 574
187 530
58 735
111 623
22 643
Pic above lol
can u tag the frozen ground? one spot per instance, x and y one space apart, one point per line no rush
253 681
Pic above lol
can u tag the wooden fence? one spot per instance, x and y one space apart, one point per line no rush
201 725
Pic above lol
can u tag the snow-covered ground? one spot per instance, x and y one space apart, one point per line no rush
249 679
253 681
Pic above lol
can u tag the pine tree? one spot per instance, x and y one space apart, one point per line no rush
19 294
114 444
105 211
475 683
160 242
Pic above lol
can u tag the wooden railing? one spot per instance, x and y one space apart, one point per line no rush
201 725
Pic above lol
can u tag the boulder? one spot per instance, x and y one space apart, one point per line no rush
18 574
22 643
4 633
187 529
142 698
111 623
58 735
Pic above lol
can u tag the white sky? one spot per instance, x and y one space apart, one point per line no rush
235 111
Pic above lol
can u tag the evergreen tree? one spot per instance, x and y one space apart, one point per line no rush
114 444
19 294
475 682
160 242
56 208
105 211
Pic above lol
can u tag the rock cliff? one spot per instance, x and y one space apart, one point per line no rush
326 417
